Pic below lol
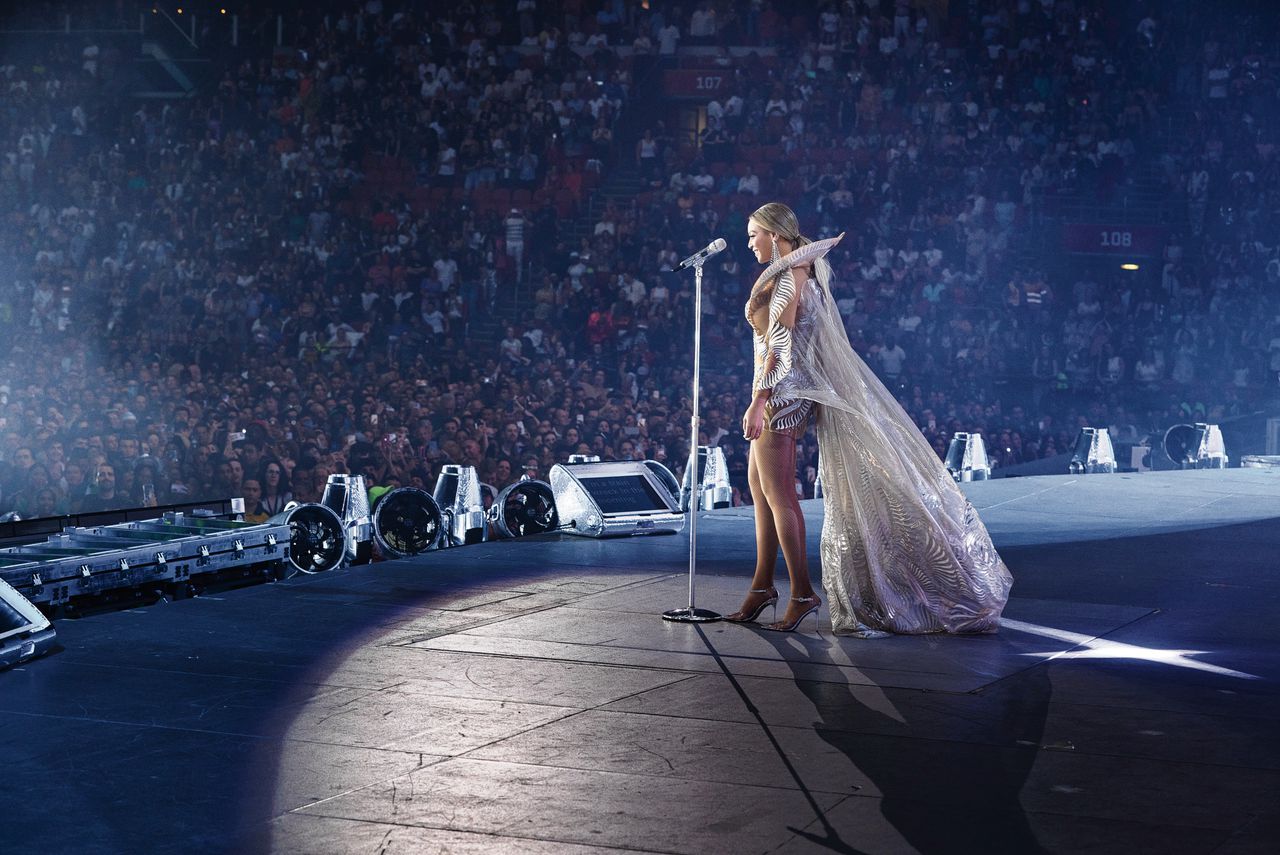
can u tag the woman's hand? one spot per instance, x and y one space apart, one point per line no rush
753 419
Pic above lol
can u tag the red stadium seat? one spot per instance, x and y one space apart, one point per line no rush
565 203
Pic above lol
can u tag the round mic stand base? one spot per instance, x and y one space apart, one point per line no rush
691 615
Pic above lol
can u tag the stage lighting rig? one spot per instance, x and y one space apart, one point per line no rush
714 490
614 499
457 493
317 541
967 457
1093 452
407 521
526 507
1196 446
345 495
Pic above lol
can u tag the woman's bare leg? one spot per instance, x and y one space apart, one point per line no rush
775 460
766 541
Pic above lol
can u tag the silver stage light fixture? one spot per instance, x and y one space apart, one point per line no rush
526 507
1196 446
1260 461
406 521
458 495
1210 452
664 475
614 499
1093 452
317 540
1180 444
714 490
345 496
25 632
967 457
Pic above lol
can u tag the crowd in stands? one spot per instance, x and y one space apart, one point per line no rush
282 277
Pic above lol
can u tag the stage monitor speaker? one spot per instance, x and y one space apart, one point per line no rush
25 632
614 500
665 475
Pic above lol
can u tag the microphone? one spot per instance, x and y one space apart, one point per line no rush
716 246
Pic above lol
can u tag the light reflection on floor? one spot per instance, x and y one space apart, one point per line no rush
1102 648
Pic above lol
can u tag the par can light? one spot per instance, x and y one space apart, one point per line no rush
406 522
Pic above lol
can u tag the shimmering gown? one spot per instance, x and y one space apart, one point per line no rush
903 551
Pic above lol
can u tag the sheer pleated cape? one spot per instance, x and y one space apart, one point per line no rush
903 550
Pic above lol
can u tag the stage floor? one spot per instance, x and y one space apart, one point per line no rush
525 697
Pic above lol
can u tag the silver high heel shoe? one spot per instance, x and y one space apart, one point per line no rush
771 600
791 627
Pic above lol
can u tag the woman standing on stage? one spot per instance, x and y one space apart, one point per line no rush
903 551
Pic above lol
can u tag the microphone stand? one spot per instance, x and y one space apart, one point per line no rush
693 614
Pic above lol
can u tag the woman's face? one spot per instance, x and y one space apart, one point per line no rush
759 242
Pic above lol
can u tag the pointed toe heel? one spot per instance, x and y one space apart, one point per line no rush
743 616
783 626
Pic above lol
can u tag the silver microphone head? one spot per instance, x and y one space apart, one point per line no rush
698 258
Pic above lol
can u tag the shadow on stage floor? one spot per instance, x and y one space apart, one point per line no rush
526 697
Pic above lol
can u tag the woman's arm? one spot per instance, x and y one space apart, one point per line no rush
782 316
777 360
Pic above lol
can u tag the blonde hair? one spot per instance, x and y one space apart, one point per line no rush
778 218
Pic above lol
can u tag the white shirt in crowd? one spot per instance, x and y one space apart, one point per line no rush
514 224
434 318
667 38
702 23
447 161
633 290
446 271
891 359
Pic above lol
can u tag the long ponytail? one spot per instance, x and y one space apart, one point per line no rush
821 267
